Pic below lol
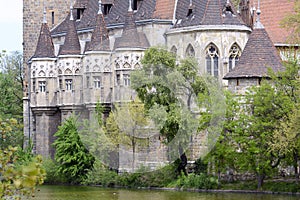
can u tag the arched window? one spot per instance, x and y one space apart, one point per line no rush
174 50
212 60
234 56
190 52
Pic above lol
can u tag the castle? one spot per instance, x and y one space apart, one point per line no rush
92 47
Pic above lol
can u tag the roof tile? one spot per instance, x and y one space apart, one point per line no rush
44 48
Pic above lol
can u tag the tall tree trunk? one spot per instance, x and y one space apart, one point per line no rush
260 180
183 161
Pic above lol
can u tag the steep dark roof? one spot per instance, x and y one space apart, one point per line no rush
259 55
71 45
130 37
87 19
44 48
148 9
100 39
206 12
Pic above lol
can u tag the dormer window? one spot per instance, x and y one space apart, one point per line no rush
79 13
106 9
136 4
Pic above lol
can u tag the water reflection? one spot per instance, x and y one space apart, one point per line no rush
96 193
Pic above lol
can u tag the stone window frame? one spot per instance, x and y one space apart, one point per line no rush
234 55
69 84
126 79
97 82
190 51
212 60
42 86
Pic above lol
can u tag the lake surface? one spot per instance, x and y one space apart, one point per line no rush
97 193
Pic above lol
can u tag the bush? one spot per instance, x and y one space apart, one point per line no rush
53 175
100 175
201 181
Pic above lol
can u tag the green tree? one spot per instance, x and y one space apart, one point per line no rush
11 83
224 154
11 133
18 180
291 22
257 124
133 126
73 157
285 141
164 87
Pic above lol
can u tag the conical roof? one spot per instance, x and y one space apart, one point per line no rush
71 45
130 37
259 55
100 39
45 47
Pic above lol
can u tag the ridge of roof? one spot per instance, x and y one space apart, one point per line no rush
45 47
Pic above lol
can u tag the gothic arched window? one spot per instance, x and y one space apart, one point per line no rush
234 56
212 60
190 52
174 50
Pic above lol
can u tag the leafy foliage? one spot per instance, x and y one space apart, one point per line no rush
11 83
292 22
164 87
73 158
10 133
17 180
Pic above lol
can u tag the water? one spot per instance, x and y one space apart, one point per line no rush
97 193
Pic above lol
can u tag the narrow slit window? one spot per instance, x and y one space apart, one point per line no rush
52 17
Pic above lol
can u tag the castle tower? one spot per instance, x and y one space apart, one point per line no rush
56 11
70 71
259 55
42 95
129 49
98 66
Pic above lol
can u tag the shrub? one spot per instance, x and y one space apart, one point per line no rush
53 175
201 181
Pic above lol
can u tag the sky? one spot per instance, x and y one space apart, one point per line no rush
11 23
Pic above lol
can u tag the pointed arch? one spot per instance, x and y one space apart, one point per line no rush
68 71
59 72
234 56
174 50
137 66
96 68
212 60
42 73
77 71
190 52
51 73
126 65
